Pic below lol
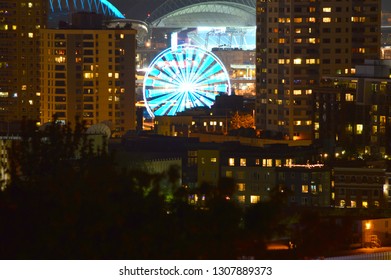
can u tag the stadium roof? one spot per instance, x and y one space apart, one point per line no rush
193 13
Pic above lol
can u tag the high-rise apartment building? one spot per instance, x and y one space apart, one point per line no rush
298 42
88 72
20 22
352 113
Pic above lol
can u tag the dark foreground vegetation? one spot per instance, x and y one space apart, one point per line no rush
67 200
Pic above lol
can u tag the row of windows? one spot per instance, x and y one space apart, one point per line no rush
353 203
342 191
358 179
62 36
260 162
314 9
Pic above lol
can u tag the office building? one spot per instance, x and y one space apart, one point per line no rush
298 42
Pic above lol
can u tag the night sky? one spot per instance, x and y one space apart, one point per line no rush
138 9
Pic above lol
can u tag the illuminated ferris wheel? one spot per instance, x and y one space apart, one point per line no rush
183 78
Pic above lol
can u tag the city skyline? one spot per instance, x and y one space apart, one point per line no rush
139 9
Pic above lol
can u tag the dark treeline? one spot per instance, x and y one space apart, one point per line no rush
68 200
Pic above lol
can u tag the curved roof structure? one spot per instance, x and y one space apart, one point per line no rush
98 6
193 13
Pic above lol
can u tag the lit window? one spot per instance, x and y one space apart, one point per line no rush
342 203
110 75
326 19
359 128
242 162
297 92
267 162
241 187
241 198
327 9
31 102
349 97
312 40
88 75
31 35
116 75
213 159
365 204
231 162
304 188
353 204
60 59
257 161
310 61
255 199
297 61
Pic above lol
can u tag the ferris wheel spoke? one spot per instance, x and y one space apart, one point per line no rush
205 98
184 78
202 67
170 106
209 74
166 75
172 68
163 100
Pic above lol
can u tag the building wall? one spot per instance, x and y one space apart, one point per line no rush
20 90
208 162
307 185
352 113
89 74
5 145
359 187
379 227
300 41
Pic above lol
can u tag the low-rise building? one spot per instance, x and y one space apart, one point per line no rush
306 184
359 187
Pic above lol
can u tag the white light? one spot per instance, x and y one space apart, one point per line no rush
186 87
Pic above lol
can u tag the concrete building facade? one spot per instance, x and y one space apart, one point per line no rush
89 73
298 42
20 25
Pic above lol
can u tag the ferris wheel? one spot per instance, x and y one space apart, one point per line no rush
183 78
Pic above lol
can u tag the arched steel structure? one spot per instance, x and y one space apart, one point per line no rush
192 13
98 6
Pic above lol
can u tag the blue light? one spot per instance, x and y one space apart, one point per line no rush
113 9
184 78
105 5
